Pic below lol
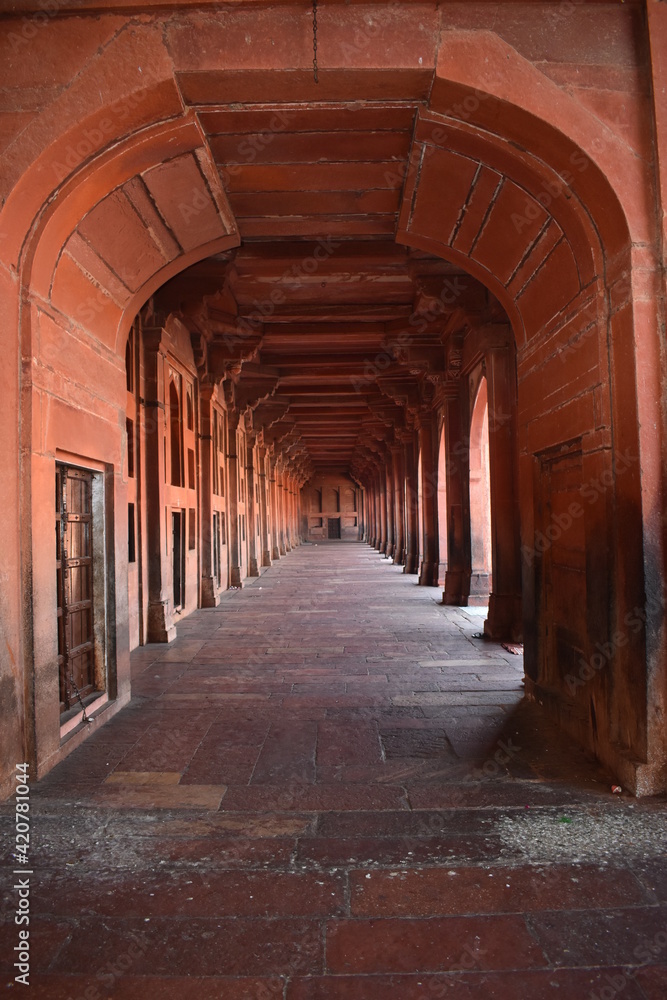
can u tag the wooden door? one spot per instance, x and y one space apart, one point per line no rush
74 571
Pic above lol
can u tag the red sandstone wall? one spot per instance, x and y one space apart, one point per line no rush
331 496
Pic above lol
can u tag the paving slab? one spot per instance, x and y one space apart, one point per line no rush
329 789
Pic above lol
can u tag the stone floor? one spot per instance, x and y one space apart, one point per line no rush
328 789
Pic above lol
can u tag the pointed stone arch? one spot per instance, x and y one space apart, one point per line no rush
531 213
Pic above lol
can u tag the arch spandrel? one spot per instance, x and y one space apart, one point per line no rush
532 113
127 243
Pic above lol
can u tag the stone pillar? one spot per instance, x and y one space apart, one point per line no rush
251 505
296 506
263 507
296 531
298 536
275 521
233 550
287 500
428 571
209 587
505 612
389 489
398 472
363 514
280 499
382 486
374 512
411 510
286 512
160 626
370 512
377 543
457 577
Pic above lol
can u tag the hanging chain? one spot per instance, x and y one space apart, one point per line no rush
84 717
315 41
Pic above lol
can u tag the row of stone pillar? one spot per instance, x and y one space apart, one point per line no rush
274 506
398 503
392 505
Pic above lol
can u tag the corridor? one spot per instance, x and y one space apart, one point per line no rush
327 788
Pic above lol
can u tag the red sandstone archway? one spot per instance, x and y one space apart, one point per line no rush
538 221
529 211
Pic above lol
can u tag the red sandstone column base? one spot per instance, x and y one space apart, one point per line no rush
160 627
235 577
428 574
456 589
504 622
209 592
266 558
410 564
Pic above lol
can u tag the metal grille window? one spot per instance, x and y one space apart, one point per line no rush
74 569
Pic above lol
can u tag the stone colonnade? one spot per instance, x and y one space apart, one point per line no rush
402 481
216 489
